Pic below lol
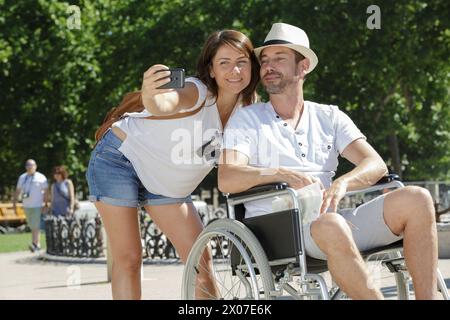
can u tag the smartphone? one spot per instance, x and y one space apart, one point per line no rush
176 79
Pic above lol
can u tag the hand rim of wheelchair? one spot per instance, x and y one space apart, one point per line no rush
237 233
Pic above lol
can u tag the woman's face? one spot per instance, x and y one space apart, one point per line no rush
231 69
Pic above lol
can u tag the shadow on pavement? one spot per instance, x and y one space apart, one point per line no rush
74 285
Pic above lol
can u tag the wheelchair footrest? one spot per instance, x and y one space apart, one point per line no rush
395 264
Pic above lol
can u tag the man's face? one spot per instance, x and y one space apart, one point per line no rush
30 166
278 69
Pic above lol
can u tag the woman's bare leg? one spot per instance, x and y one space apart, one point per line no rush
122 228
181 224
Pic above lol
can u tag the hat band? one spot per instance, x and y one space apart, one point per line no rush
270 42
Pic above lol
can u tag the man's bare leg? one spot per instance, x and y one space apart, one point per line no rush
334 237
36 236
410 211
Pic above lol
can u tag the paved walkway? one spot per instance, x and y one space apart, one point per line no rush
23 276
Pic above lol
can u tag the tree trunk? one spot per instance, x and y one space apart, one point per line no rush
395 153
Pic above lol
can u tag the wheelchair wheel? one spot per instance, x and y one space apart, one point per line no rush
401 283
388 273
238 266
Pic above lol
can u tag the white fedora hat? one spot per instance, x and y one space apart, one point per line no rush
286 35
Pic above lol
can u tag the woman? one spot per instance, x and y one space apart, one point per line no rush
62 193
161 149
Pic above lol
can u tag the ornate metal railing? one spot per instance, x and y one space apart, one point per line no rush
156 245
74 237
82 237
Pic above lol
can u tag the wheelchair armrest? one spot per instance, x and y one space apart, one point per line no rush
388 181
258 190
388 178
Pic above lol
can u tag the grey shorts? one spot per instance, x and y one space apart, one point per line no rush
368 228
33 217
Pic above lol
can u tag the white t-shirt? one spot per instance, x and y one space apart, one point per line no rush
171 157
35 186
313 147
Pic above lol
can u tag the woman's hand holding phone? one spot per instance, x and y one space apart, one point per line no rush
157 80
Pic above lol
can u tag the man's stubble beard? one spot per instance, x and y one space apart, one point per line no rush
279 88
272 88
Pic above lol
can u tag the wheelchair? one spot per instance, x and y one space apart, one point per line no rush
263 257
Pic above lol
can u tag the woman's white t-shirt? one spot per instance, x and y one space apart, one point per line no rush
171 157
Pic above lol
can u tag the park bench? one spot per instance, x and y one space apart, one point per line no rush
9 218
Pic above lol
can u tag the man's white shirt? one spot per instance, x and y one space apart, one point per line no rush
322 133
35 185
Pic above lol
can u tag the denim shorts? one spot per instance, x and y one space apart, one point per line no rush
112 179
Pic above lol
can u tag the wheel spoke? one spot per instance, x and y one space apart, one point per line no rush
227 265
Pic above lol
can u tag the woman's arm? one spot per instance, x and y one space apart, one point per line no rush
48 198
163 102
71 196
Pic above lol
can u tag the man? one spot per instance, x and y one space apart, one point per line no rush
296 141
33 187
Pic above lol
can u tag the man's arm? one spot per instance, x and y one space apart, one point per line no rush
235 175
15 197
369 168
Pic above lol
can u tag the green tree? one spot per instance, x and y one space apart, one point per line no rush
394 82
46 72
57 82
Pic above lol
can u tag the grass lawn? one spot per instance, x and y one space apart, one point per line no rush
18 242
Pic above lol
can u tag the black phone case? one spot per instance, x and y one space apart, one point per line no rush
176 79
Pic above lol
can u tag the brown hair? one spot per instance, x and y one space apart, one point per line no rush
298 56
62 171
132 101
236 40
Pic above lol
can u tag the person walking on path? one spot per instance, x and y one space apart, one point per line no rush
32 187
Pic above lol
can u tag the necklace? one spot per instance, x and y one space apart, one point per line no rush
298 119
